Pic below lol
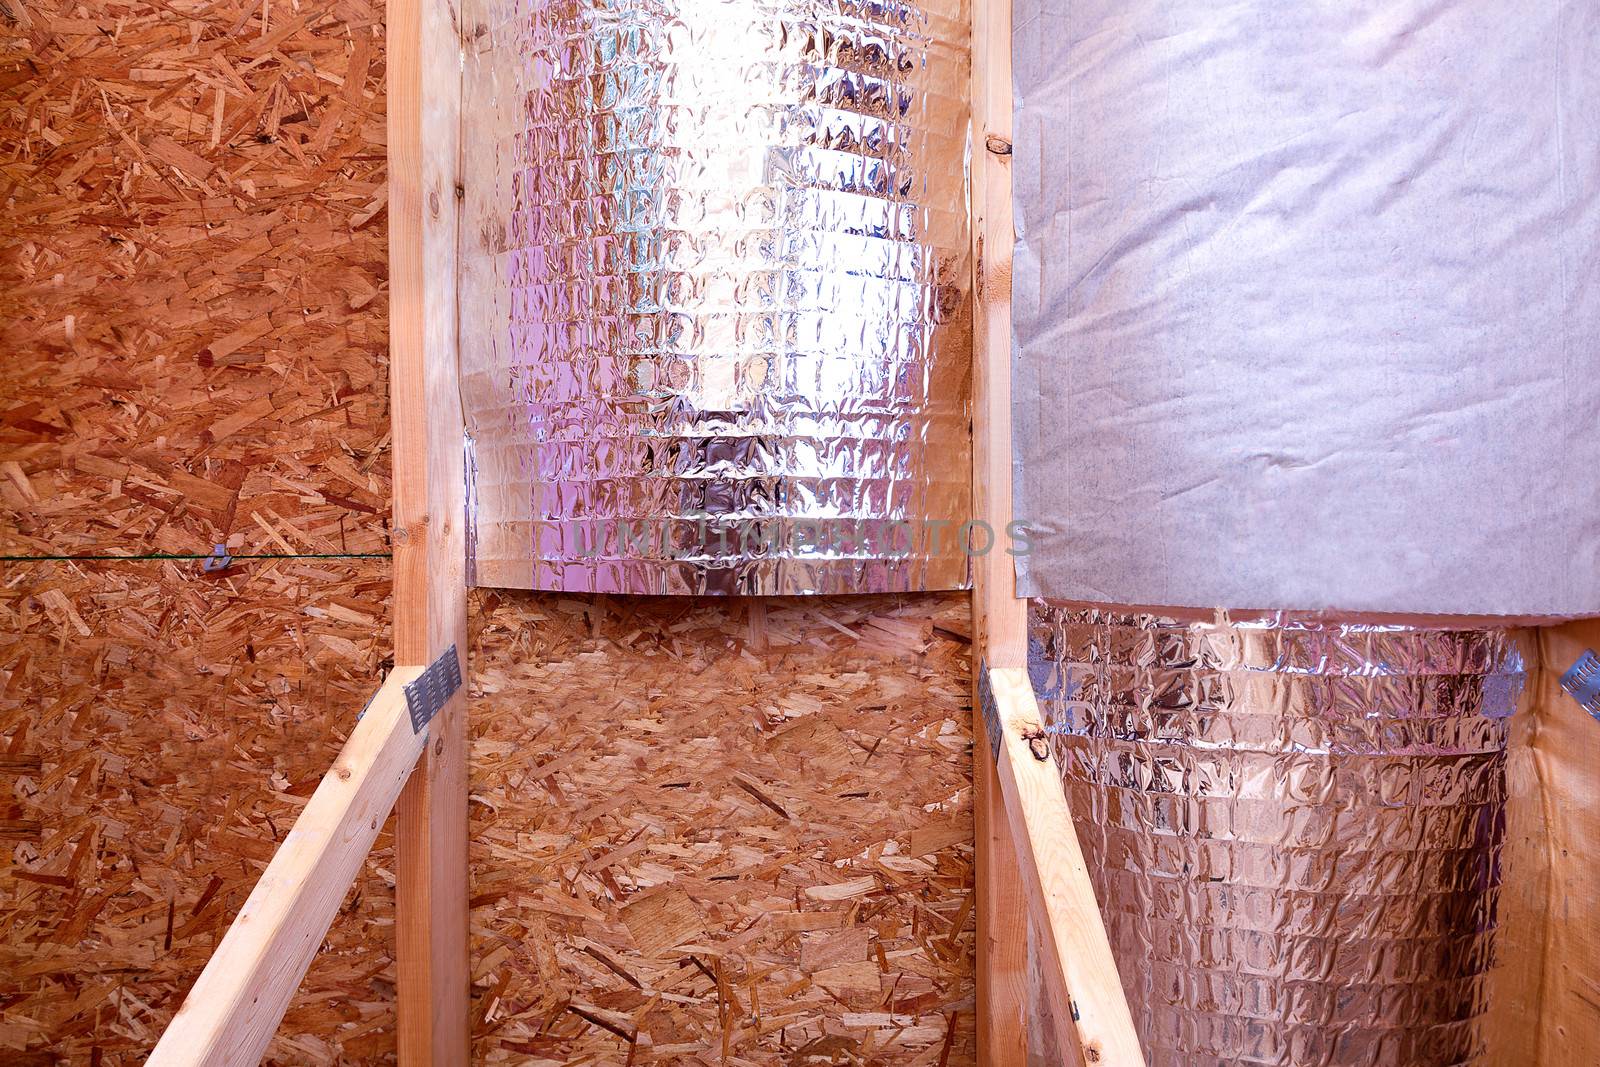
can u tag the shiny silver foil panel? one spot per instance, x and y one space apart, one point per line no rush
715 325
1306 299
1293 826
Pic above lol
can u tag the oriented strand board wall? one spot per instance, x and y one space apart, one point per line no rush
193 317
158 734
193 298
740 831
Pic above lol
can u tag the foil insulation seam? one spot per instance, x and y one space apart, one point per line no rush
1293 827
717 284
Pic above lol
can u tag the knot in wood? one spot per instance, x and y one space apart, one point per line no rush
1038 742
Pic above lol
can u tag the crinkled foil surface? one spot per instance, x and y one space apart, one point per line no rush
1293 826
715 314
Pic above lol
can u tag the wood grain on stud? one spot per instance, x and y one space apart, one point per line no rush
424 67
1078 969
1567 775
999 618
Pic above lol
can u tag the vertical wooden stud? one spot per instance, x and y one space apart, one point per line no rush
999 622
1033 892
424 68
1004 993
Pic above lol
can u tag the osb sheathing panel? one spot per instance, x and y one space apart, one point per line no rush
708 827
159 733
728 832
193 320
192 303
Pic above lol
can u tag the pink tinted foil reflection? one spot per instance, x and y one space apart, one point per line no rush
1293 827
715 319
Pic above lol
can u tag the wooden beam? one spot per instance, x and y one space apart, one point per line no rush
999 618
1003 981
424 71
1005 995
1028 860
1078 966
235 1006
1569 777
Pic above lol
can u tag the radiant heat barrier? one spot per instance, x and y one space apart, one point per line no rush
1306 315
715 314
1294 827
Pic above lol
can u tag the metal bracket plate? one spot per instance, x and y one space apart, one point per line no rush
433 690
1582 681
990 711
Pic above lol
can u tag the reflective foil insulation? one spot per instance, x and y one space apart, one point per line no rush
1293 826
715 314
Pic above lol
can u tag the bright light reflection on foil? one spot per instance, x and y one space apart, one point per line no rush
715 322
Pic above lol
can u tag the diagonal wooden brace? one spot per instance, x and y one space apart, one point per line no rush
235 1006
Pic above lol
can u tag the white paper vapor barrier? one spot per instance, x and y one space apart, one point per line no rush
1307 304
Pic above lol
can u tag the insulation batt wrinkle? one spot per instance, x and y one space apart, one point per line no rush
715 306
1294 827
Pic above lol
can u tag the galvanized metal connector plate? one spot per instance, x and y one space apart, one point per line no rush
1582 681
990 711
433 690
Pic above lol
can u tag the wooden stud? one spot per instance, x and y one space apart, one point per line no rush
1003 986
998 617
235 1006
1079 970
1566 773
424 68
1028 858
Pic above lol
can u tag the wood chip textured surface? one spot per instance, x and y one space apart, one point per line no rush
724 832
194 324
703 832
